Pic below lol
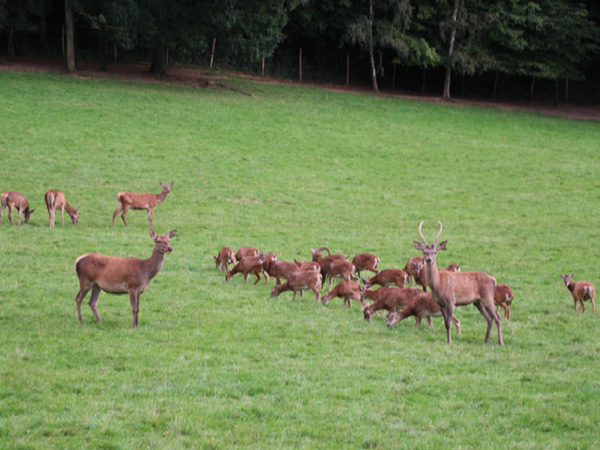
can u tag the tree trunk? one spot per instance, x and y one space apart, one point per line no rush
531 89
11 42
347 68
394 78
371 48
262 67
212 54
556 92
69 38
423 80
300 64
566 89
158 65
448 78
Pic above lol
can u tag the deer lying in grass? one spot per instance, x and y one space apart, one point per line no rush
14 199
224 258
346 290
246 266
451 289
120 275
56 200
300 281
366 261
388 277
503 298
132 200
582 290
390 299
422 306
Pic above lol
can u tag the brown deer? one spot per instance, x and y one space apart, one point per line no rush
451 289
14 199
366 261
56 200
346 290
339 268
246 266
224 258
120 275
422 306
421 279
324 262
131 200
245 252
387 277
582 290
300 280
413 266
388 298
308 265
503 298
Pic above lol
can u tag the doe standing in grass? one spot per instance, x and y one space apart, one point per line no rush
147 201
56 200
14 199
582 290
120 275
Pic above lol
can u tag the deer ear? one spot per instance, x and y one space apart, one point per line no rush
32 211
172 233
152 234
160 183
442 246
172 183
418 245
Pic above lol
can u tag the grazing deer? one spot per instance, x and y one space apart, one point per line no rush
131 200
503 298
14 199
387 277
245 252
56 200
224 258
324 263
345 290
246 266
300 280
120 275
451 289
582 290
422 306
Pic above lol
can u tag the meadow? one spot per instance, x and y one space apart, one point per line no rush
218 366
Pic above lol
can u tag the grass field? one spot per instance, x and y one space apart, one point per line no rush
217 366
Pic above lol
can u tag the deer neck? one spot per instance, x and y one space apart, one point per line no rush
153 265
160 197
433 275
571 286
70 209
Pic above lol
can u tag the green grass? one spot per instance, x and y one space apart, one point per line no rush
217 366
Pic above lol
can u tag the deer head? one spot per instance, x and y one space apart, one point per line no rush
162 243
75 216
430 251
28 213
567 279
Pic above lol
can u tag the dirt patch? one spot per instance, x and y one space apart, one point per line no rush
192 77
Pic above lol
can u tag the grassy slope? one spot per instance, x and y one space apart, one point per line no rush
218 366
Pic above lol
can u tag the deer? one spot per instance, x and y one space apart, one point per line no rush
244 252
224 258
390 299
324 262
503 298
388 277
56 200
346 290
246 266
300 280
14 199
340 268
116 275
281 269
147 201
422 306
413 266
451 289
582 290
366 261
421 279
308 265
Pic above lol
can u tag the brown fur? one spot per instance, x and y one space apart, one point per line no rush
300 280
246 266
120 275
135 201
56 200
245 252
390 299
422 306
503 298
582 290
366 261
346 290
224 258
14 199
387 277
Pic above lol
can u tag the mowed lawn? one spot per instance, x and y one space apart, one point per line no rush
219 366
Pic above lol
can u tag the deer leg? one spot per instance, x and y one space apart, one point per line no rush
294 297
487 318
94 301
21 214
317 293
582 309
448 311
10 210
62 216
125 210
150 212
83 290
575 300
117 211
429 322
593 305
496 319
266 275
2 212
135 307
257 277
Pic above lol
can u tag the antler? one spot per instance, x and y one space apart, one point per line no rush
421 233
439 233
323 248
